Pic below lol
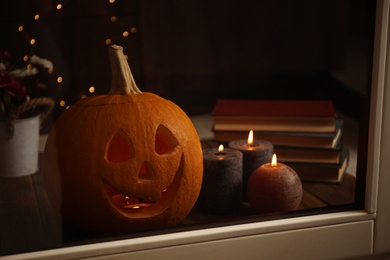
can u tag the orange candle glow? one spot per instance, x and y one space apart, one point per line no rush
250 138
274 161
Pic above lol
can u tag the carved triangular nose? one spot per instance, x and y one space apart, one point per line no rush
145 172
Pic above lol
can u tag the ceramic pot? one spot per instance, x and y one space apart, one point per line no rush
19 154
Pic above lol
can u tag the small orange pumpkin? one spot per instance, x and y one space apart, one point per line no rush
123 162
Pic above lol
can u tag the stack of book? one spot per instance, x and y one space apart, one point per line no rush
306 134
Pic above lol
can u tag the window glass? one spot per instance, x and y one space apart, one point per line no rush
193 53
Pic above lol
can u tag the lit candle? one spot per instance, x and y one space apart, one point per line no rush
274 187
222 180
255 153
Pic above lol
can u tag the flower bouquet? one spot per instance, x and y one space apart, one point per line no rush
15 88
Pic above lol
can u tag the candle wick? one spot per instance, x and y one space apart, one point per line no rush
220 153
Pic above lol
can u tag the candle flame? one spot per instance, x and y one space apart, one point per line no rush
250 137
220 148
274 161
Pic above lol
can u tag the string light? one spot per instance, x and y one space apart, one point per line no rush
32 41
113 19
108 41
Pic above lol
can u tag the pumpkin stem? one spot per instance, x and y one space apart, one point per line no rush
122 78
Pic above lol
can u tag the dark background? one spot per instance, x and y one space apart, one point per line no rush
196 51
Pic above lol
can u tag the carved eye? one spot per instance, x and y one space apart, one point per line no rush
119 148
165 141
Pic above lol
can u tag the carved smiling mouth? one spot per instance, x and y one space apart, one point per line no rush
125 202
128 203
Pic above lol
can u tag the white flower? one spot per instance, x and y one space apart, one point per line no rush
21 73
40 61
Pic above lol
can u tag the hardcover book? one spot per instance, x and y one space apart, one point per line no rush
330 173
309 155
298 139
274 115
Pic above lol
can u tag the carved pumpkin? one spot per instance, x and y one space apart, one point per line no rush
125 161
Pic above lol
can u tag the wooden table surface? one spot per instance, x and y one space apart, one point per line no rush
29 223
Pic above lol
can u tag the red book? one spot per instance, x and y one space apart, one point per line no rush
275 115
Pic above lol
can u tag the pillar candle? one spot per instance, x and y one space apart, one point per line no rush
274 187
222 180
255 154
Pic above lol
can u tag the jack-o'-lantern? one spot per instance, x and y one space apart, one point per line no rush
123 162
